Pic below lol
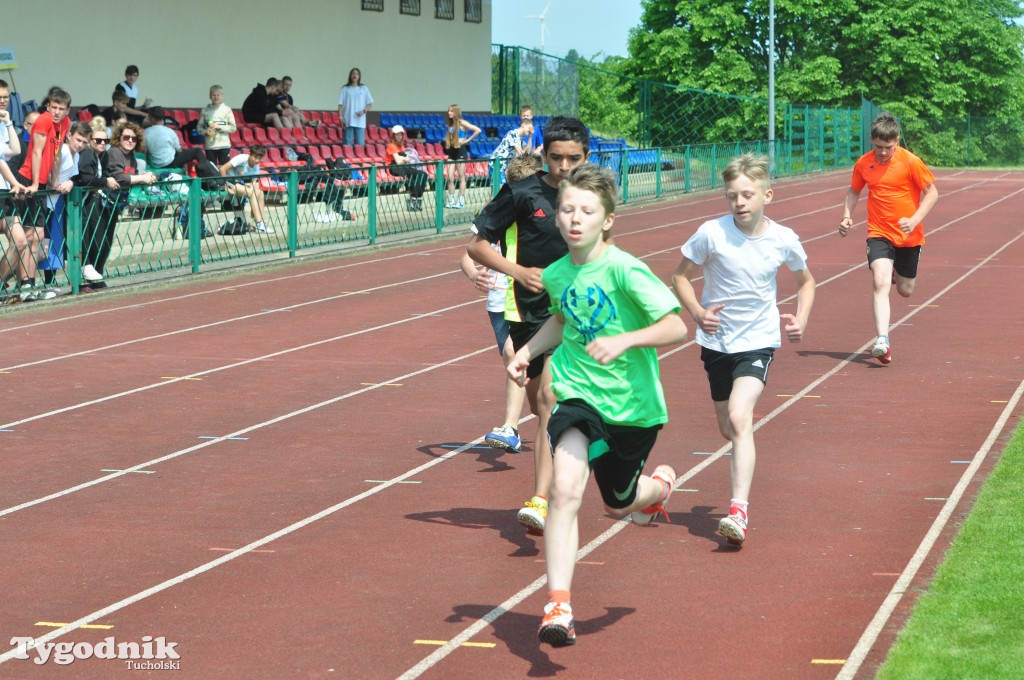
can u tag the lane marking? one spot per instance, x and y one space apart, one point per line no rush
806 396
232 549
233 439
487 645
382 384
383 481
51 624
174 377
902 584
139 472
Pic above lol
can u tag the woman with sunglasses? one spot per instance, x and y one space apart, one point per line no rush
118 162
96 214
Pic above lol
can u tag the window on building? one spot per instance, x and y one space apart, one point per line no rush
411 7
373 5
444 9
474 13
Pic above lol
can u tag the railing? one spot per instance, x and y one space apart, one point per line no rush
185 223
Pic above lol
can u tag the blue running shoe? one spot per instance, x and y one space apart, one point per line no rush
504 437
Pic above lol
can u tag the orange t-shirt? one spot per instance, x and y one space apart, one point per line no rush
390 151
894 192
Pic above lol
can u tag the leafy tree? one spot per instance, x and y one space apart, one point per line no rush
917 57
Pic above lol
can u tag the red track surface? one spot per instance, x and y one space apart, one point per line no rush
253 415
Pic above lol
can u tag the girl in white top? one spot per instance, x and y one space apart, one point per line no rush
353 103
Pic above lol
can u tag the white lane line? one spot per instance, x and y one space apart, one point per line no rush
902 585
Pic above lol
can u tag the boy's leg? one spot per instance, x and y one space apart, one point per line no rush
561 536
881 278
515 394
542 447
736 422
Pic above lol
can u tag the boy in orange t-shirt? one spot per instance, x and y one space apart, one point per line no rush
901 192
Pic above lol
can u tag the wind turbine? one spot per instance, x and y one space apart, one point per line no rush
543 26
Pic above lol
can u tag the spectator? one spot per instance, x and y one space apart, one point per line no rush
131 91
536 141
287 109
165 148
246 187
400 162
48 133
10 144
97 210
515 143
119 162
259 106
353 103
334 193
456 146
55 251
118 107
216 123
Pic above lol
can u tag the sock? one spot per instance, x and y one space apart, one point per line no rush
559 596
739 507
540 500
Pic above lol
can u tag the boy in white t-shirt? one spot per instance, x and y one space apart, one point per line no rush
244 168
737 317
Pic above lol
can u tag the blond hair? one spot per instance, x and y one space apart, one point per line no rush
521 167
595 179
753 165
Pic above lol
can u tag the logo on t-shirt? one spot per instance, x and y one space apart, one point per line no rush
540 213
588 312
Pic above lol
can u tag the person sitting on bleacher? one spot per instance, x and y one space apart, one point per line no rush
260 106
165 148
515 143
136 112
244 168
398 160
290 113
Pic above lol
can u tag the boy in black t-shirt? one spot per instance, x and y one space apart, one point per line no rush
521 219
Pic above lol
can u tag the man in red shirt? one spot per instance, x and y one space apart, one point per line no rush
48 134
901 192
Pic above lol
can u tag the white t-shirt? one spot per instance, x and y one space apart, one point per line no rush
240 166
5 140
496 295
68 169
740 272
352 100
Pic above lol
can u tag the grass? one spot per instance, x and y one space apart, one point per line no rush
970 623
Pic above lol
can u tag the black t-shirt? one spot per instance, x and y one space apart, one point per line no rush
521 219
256 105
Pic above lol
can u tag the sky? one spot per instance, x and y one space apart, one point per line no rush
588 26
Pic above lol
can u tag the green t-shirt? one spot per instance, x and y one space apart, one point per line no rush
616 293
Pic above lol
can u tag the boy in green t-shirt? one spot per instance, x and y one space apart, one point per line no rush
608 313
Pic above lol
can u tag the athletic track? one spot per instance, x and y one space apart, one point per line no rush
282 471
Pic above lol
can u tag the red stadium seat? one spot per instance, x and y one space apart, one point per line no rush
286 136
247 136
273 136
260 134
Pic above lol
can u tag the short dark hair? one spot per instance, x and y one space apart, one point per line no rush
59 96
82 129
257 150
131 70
885 127
3 83
566 129
272 81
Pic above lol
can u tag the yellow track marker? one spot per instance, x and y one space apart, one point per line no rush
51 624
442 643
833 662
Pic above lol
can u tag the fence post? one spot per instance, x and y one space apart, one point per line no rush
371 205
624 174
657 173
195 222
74 236
968 140
686 169
293 212
439 195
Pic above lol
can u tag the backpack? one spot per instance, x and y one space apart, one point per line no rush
235 227
183 223
190 133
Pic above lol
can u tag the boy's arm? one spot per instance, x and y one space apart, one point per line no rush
480 276
797 324
852 196
39 141
5 170
668 330
929 196
707 319
549 335
481 251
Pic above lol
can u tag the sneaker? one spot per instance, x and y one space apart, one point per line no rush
326 217
29 296
90 274
504 437
667 476
263 228
557 628
881 350
734 527
348 216
461 204
450 202
533 515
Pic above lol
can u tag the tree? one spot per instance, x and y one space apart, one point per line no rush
919 57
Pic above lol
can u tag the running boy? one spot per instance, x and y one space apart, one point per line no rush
737 317
609 312
521 219
901 192
496 286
